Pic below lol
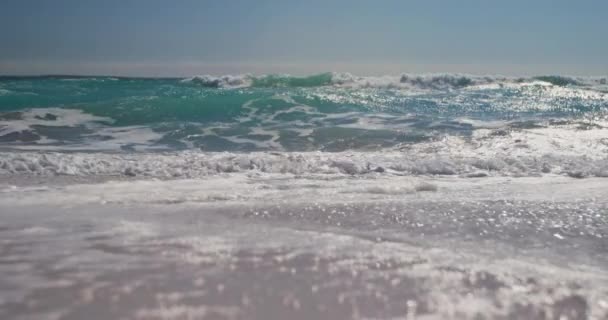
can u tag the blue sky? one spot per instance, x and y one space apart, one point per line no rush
163 37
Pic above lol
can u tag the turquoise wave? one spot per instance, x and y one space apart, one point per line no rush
327 111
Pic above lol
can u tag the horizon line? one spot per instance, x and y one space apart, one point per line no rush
178 77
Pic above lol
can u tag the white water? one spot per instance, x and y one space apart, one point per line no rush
489 152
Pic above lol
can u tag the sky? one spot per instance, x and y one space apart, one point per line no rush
187 37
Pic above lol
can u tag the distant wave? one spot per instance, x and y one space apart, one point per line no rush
265 81
404 81
438 81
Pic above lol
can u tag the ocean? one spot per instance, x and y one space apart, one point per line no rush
331 196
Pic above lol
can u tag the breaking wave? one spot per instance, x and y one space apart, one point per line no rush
195 164
404 81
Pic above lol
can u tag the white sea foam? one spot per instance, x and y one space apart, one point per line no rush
102 136
531 152
51 117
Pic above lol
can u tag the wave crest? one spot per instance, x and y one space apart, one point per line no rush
403 81
265 81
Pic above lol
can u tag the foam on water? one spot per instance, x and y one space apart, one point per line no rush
493 148
49 117
517 155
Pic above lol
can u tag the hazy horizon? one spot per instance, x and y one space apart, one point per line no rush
152 70
157 38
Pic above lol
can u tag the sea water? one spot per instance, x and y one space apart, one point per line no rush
331 196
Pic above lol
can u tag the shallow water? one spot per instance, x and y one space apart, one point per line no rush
260 248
